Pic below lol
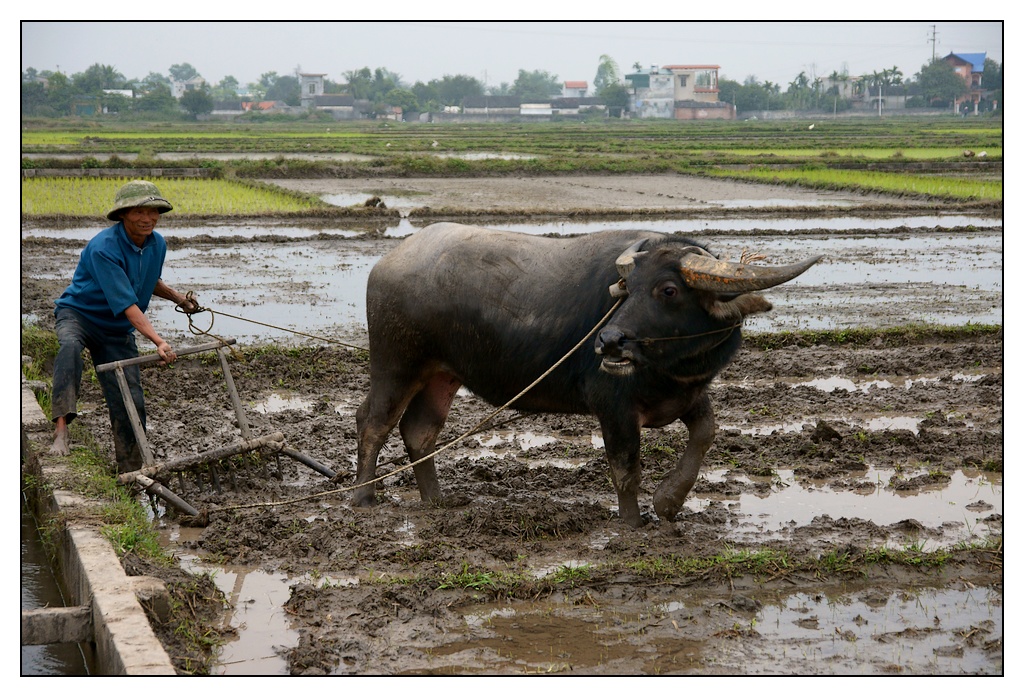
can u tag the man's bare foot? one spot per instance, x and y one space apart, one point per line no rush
61 442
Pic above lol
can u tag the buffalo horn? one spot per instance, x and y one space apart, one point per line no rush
627 260
707 273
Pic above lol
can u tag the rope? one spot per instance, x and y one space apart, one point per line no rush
475 429
449 444
647 342
213 315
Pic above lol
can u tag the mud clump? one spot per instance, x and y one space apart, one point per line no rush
528 514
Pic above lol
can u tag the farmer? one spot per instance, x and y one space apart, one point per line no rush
118 271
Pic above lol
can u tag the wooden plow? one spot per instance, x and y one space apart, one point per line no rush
151 471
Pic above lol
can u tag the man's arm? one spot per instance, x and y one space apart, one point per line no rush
142 324
164 291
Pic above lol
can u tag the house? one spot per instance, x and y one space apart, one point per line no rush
844 86
86 105
574 106
116 98
311 86
969 66
696 93
341 106
535 108
574 88
262 106
179 88
491 105
228 108
682 92
652 93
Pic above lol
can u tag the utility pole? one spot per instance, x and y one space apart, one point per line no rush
934 34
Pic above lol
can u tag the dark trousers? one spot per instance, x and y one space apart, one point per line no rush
75 332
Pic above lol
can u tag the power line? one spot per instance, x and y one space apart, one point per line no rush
934 34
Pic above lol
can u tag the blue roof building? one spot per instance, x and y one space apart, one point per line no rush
970 67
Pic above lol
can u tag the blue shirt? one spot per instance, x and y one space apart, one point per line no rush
112 275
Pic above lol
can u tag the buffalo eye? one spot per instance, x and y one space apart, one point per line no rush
669 290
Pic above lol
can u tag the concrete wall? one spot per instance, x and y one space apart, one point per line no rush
90 570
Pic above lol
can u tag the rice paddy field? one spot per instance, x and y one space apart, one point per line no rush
935 186
924 160
848 519
90 197
800 139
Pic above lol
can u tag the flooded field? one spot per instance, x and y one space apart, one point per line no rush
317 286
848 518
906 467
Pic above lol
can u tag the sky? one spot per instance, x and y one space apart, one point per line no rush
495 51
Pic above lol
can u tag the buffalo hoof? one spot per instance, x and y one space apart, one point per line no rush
363 498
634 521
666 510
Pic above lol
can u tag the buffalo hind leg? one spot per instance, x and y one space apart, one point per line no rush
375 419
700 421
422 421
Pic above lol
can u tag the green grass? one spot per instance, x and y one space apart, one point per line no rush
761 563
93 197
469 579
915 137
41 346
914 184
918 153
889 337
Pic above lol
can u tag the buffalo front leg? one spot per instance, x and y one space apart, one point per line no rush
668 498
422 421
622 447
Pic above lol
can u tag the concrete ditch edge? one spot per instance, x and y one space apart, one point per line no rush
93 575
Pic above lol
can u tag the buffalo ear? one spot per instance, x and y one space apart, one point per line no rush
618 289
732 308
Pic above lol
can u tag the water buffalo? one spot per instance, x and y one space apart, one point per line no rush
457 305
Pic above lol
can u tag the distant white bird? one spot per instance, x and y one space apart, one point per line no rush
388 145
811 127
434 144
982 154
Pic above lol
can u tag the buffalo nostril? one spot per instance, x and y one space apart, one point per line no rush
611 341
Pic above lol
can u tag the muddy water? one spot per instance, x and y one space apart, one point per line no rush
784 636
900 631
40 589
875 279
942 279
404 226
256 597
317 287
851 629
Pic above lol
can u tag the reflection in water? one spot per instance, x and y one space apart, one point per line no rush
318 286
860 630
920 633
263 629
791 627
39 588
404 226
871 496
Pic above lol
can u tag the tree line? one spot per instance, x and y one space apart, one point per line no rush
936 85
54 94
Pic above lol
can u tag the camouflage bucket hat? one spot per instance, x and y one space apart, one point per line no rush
138 194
